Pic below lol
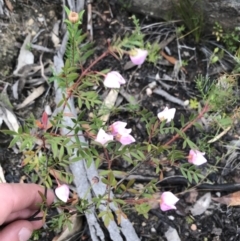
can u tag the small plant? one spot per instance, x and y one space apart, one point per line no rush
218 31
216 55
192 18
229 38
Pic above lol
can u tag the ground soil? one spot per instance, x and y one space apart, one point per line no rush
219 222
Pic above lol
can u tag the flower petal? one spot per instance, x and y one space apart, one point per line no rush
117 126
126 139
113 80
103 137
62 192
168 201
138 56
167 114
196 157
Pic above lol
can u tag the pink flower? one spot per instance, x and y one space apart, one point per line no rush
167 114
117 126
168 201
103 137
138 56
124 137
114 80
196 157
62 192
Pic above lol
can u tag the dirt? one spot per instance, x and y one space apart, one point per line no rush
219 222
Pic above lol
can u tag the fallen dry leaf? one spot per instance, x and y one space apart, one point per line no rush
57 174
232 199
25 57
34 95
172 60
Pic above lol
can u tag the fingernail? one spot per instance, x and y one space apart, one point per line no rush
24 234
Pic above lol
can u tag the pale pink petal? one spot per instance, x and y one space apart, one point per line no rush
138 56
168 201
103 137
113 80
62 192
124 131
117 126
167 114
196 157
126 139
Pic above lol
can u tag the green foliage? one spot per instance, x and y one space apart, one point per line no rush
216 55
218 92
48 151
129 41
191 173
77 51
230 37
217 31
153 52
194 104
143 209
133 40
191 13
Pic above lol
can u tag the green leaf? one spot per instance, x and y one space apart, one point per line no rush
67 10
105 181
72 76
14 141
130 183
189 177
61 153
9 132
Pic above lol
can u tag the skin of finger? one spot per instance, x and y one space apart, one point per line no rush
23 214
16 197
10 232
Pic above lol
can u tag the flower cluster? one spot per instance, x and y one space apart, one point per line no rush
195 157
118 131
114 80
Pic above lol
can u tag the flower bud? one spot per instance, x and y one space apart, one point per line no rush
73 17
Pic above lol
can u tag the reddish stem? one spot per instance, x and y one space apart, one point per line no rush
174 138
54 174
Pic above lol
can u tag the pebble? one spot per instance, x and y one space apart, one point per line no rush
193 227
153 230
148 92
30 22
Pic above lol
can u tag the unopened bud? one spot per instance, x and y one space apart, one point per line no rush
73 17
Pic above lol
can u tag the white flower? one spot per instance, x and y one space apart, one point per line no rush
167 114
62 192
113 80
103 137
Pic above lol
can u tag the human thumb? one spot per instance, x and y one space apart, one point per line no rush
20 230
